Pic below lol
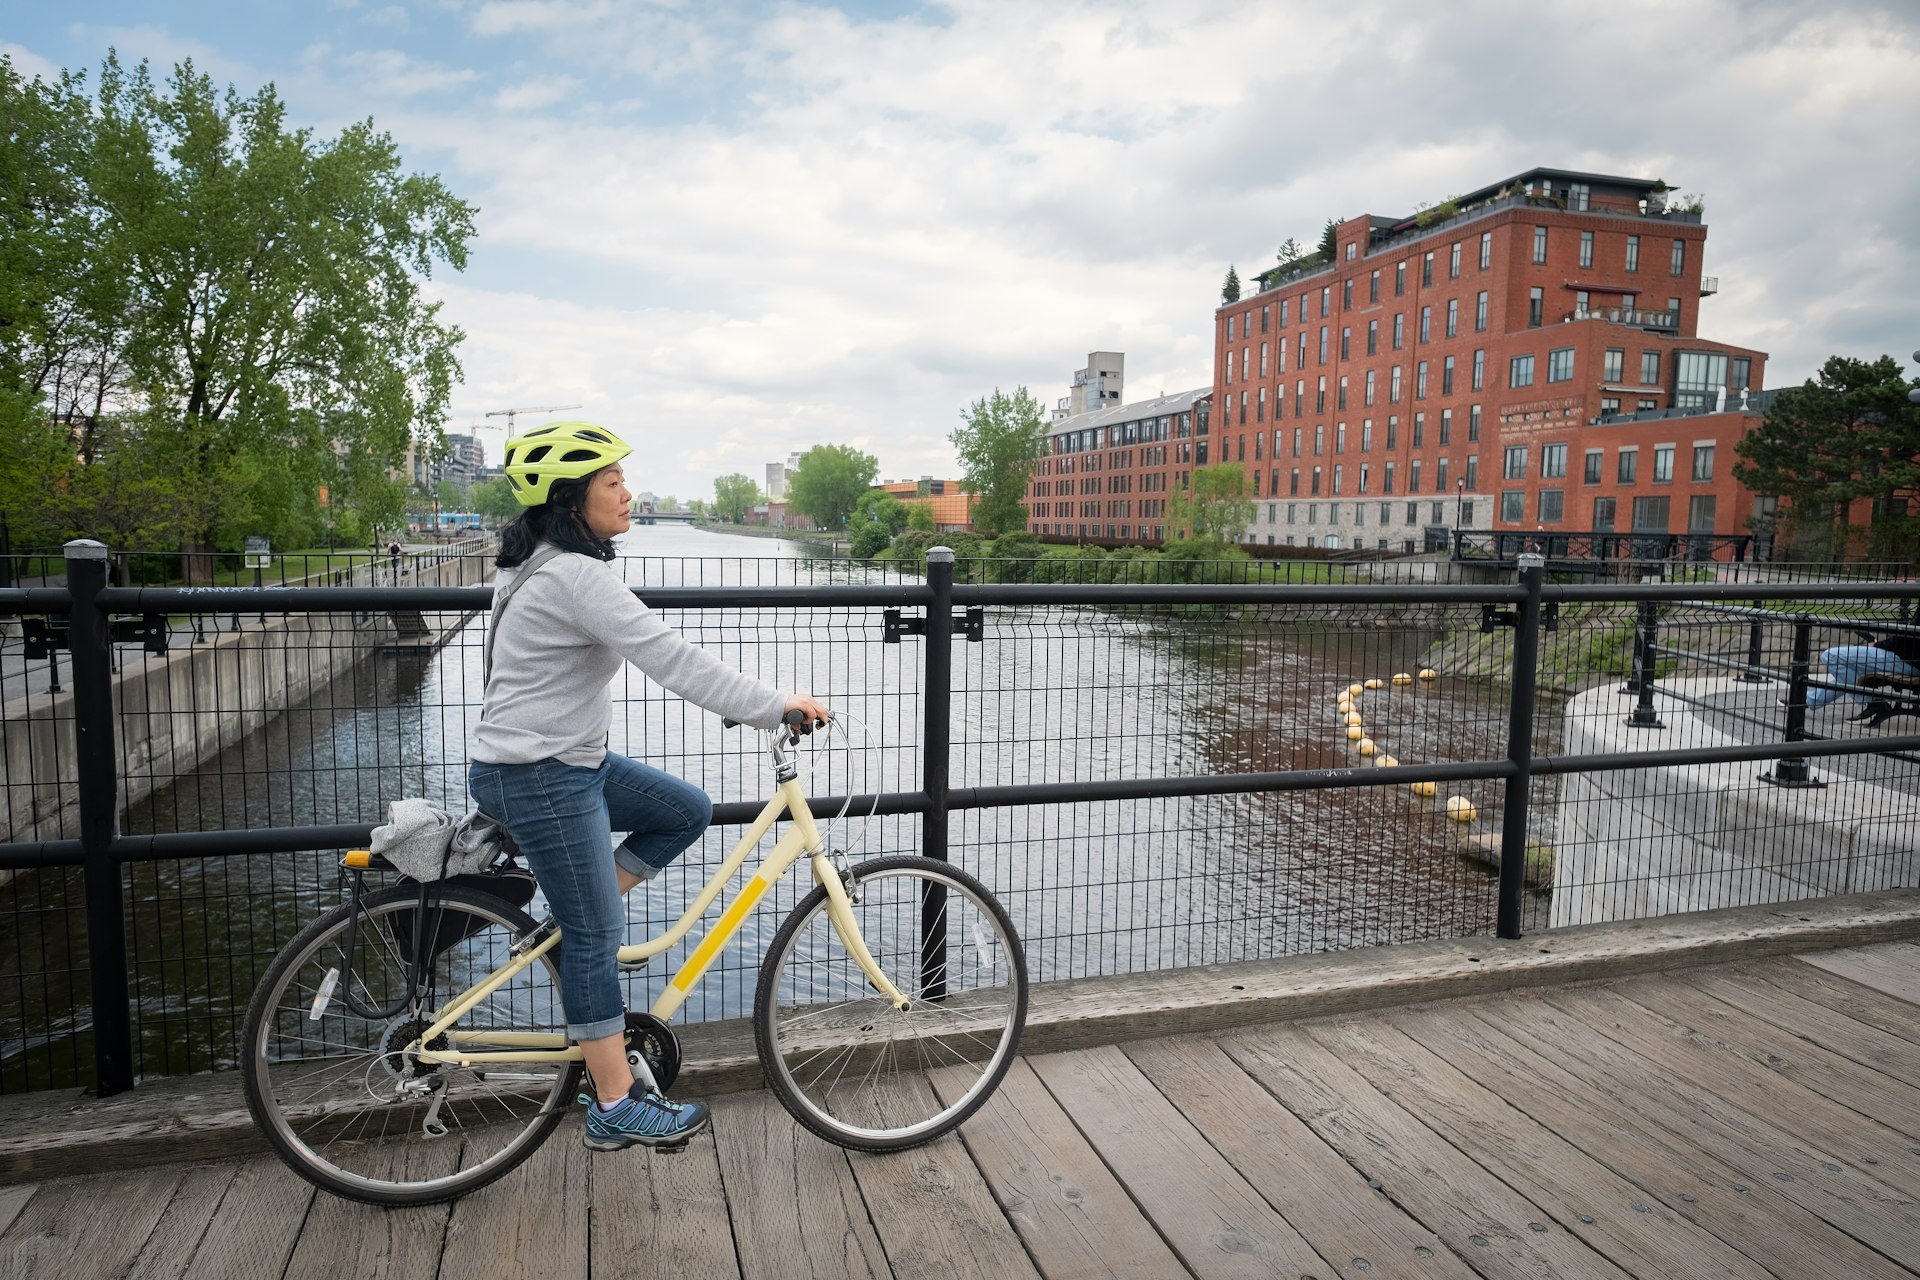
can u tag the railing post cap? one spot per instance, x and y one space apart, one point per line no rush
1531 560
939 555
86 549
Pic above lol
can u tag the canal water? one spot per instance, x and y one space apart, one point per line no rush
1049 694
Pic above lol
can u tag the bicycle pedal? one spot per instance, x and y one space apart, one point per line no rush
673 1150
633 966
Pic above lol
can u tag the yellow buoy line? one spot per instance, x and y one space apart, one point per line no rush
1347 703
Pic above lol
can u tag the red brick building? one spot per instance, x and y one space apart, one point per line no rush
1528 360
1108 472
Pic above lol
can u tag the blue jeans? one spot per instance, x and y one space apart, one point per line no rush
1845 664
561 816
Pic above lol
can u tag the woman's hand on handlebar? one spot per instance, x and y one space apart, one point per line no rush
813 711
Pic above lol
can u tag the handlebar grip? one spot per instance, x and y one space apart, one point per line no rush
728 722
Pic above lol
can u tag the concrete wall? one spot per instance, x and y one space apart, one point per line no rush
179 709
1648 842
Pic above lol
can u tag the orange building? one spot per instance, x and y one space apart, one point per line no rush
951 507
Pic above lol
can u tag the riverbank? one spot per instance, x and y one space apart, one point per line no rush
811 537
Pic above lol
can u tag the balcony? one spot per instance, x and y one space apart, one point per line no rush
1709 285
1665 321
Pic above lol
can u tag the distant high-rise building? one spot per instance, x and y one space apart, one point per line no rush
776 485
1098 386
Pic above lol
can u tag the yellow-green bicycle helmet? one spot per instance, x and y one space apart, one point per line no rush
558 451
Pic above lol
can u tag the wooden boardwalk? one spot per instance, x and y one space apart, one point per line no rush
1749 1120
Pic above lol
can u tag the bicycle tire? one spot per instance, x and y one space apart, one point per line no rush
848 1066
335 1099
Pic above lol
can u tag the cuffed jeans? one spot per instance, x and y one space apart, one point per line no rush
561 815
1846 663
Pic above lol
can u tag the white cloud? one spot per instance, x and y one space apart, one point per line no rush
531 95
28 64
391 74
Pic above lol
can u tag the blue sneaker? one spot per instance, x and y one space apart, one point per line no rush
645 1118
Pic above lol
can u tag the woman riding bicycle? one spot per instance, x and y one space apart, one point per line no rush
540 764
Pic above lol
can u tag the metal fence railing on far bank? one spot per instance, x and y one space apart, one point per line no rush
1152 774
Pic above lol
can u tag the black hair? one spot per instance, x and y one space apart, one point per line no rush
561 520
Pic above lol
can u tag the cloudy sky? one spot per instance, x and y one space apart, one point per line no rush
734 230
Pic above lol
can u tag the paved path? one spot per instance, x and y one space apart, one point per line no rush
1750 1120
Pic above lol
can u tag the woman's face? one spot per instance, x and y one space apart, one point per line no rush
609 507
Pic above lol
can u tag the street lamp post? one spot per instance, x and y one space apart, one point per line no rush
1459 512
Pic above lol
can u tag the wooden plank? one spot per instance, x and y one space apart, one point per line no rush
1822 1124
1886 969
1766 1046
253 1232
932 1209
1860 1205
1609 1214
1302 1177
1759 1220
170 1246
1843 995
796 1210
12 1201
347 1238
531 1222
67 1230
1218 1224
1815 1023
1076 1220
670 1210
1499 1233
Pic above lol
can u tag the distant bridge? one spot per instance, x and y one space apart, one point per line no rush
663 517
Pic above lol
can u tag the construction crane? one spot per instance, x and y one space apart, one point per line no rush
531 408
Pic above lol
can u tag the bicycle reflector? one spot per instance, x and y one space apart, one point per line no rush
359 859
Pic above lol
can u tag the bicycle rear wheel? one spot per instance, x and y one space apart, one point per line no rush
346 1101
843 1061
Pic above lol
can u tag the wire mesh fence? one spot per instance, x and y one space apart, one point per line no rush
1289 823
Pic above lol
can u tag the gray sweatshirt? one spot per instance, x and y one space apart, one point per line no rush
562 640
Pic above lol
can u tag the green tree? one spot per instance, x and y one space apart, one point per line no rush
494 499
1230 287
920 518
878 507
733 495
249 316
1002 437
1290 252
1330 240
828 483
1846 434
1216 505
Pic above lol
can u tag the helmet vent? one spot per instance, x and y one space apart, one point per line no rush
535 454
579 455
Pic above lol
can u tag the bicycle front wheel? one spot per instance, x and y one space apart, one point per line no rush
346 1100
848 1065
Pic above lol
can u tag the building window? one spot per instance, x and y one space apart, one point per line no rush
1578 197
1479 370
1343 392
1627 467
1364 477
1283 313
1413 486
1419 430
1536 307
1513 506
1553 461
1586 248
1393 385
1259 415
1319 439
1516 462
1702 463
1320 396
1420 381
1663 464
1552 504
1679 266
1399 278
1399 332
1337 471
1346 342
1369 390
1480 312
1263 319
1446 377
1263 359
1648 406
1453 317
1393 431
1473 424
1426 324
1673 309
1386 482
1613 366
1633 253
1373 286
1700 513
1603 515
1700 378
1326 300
1520 372
1609 407
1230 320
1539 245
1323 344
1439 486
1366 433
1426 269
1742 376
1649 368
1560 364
1650 515
1296 442
1346 289
1373 337
1293 489
1595 460
1315 481
1453 262
1353 247
1486 249
1446 426
1473 472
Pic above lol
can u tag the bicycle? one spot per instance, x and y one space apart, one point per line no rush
408 1046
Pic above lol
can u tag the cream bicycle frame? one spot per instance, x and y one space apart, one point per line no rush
803 839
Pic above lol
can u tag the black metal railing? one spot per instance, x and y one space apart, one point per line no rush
1147 774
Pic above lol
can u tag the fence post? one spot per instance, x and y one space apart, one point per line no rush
1795 771
1756 652
1513 815
89 643
1643 715
937 708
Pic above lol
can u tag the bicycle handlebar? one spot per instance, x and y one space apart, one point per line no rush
795 720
